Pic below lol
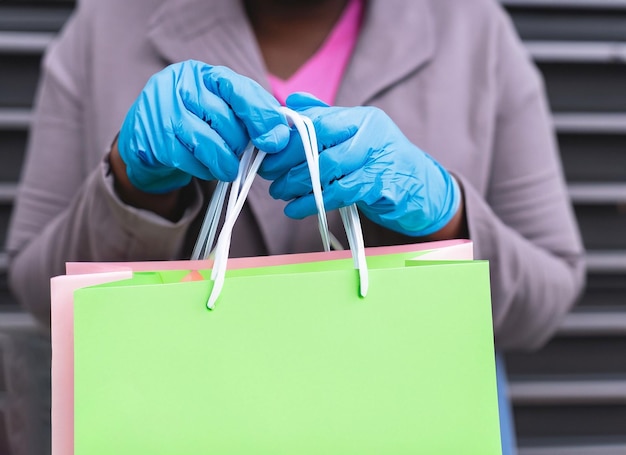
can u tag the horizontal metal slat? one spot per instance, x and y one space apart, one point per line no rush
591 4
38 17
568 392
577 51
17 321
593 323
15 118
8 191
24 42
606 261
582 122
597 193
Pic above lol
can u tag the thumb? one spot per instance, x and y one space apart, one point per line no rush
303 100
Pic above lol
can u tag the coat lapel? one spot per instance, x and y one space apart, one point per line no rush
213 31
397 38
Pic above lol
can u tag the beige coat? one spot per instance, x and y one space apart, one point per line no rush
451 73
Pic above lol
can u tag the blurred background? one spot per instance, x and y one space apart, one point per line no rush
569 397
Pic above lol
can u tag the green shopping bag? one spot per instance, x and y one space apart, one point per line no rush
291 361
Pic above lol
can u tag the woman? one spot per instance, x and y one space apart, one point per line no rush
449 77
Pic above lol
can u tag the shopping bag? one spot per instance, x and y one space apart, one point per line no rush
82 274
62 364
292 360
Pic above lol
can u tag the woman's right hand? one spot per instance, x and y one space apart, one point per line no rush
194 120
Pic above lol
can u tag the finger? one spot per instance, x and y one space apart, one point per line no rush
301 100
301 208
334 130
218 115
333 125
257 109
277 164
287 188
341 193
207 154
334 163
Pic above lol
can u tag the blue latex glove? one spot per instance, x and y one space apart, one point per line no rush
364 159
193 119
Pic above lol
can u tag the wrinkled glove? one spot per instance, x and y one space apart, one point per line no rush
364 159
193 119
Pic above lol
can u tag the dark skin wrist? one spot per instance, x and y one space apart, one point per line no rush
167 205
455 229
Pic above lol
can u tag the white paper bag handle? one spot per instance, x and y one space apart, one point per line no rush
248 168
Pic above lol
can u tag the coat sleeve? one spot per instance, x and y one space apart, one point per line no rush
63 211
525 226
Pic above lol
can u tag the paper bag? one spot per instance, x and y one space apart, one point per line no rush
290 361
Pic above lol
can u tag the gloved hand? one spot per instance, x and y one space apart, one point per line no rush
364 159
193 119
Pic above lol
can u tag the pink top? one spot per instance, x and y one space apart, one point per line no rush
322 73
